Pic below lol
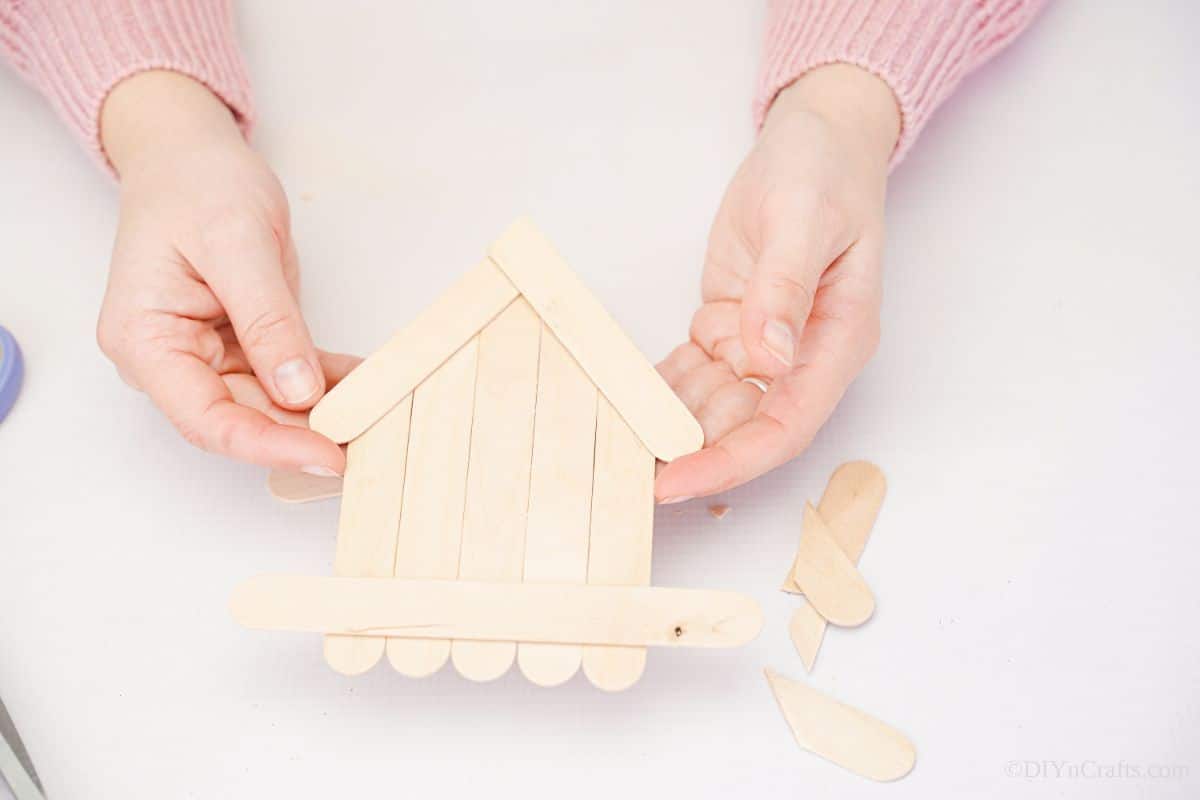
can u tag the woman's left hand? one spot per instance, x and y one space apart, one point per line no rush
792 282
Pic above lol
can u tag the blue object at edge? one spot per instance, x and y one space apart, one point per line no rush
11 371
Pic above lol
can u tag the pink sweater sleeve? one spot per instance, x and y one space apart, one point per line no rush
76 51
921 48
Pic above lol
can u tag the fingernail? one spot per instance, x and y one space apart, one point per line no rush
320 472
778 341
295 380
666 501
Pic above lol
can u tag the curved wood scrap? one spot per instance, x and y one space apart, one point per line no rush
842 734
630 616
607 355
828 578
392 372
298 487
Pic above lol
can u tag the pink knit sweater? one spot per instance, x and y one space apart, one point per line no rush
75 51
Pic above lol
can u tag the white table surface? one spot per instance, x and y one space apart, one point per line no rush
1034 404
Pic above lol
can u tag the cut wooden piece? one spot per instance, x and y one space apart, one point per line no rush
370 516
393 371
607 355
806 628
439 442
560 497
850 506
622 533
842 734
497 497
829 580
633 616
298 487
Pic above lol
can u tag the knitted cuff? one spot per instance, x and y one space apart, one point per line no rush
920 48
76 51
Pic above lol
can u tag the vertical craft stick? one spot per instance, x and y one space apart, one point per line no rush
497 498
439 443
621 536
560 496
367 526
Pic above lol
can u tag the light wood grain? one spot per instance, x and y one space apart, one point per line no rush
560 496
622 533
497 498
842 734
619 370
430 536
806 630
828 578
299 487
393 371
487 612
849 505
367 525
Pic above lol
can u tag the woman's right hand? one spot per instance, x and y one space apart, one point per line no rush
201 310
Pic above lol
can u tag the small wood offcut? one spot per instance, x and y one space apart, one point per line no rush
498 502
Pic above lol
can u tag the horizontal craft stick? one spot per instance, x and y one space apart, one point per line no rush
632 616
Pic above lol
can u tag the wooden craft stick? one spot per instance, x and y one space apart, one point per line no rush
829 580
842 734
606 354
298 487
430 536
560 497
393 371
487 612
497 496
621 535
849 506
370 515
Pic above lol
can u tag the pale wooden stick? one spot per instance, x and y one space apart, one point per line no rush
485 612
430 534
849 506
298 487
393 371
622 532
497 496
842 734
829 580
370 515
560 496
607 355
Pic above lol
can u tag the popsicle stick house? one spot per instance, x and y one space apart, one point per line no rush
498 497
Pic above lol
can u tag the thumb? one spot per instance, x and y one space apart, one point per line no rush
247 276
779 297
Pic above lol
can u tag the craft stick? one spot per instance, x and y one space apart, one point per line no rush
367 525
560 497
497 496
430 536
829 580
806 627
622 532
849 506
393 371
299 487
842 734
606 354
488 612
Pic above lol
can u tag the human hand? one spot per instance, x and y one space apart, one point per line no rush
201 309
791 286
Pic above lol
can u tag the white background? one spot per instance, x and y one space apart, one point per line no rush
1034 405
